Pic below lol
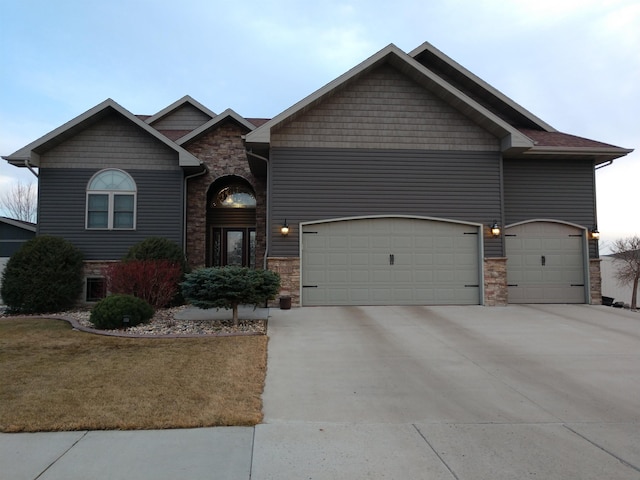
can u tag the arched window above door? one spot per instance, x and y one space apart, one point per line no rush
234 195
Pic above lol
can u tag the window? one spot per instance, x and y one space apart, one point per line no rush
236 195
111 201
96 288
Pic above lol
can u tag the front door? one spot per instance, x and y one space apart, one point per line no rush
234 246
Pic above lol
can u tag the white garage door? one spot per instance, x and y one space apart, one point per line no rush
390 261
545 263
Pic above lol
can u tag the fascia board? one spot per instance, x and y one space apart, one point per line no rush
605 153
177 104
426 46
228 113
28 152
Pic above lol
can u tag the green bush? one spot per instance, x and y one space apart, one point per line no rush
229 287
109 312
44 276
158 248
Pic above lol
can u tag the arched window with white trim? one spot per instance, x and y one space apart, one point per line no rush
111 201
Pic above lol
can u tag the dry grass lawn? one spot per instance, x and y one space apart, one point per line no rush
55 378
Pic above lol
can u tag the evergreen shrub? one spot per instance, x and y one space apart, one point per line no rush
109 312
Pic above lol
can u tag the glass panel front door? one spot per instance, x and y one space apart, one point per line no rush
233 246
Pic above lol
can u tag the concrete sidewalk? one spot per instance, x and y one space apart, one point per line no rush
456 393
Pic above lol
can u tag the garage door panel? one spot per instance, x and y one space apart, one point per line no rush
390 261
545 263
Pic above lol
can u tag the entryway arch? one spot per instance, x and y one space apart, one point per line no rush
231 222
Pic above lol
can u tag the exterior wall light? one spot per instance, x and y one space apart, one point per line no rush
495 229
594 233
284 229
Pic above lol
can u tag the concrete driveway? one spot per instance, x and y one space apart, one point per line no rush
550 391
441 393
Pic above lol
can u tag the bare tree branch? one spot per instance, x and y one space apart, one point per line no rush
20 202
626 255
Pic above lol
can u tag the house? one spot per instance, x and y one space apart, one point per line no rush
406 180
13 234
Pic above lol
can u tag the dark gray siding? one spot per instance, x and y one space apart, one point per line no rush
316 184
553 189
62 210
186 117
12 238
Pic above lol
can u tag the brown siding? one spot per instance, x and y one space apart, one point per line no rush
112 142
384 109
186 117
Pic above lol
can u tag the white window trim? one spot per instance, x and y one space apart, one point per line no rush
111 209
111 203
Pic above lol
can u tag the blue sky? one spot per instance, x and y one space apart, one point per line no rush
573 63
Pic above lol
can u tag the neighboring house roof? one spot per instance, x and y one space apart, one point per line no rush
177 105
30 154
31 227
228 114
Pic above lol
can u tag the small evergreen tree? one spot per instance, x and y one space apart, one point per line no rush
44 276
229 287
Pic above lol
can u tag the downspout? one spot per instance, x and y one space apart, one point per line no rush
184 207
28 165
267 210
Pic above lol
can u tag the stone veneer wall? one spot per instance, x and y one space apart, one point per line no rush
289 270
223 153
595 280
92 268
496 292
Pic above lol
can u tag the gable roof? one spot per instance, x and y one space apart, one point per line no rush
186 100
228 114
478 89
520 131
31 227
30 154
511 137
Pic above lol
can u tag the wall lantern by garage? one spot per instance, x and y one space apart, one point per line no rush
594 233
284 229
495 229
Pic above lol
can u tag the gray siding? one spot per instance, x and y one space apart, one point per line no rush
553 189
62 210
186 117
384 109
12 238
114 142
316 184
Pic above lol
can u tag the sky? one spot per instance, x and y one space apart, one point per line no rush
573 63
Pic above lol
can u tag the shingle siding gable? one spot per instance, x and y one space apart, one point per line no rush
384 109
111 142
187 117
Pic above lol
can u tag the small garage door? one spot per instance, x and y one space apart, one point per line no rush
545 263
390 261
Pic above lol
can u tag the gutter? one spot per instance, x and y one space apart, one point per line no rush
267 209
603 165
